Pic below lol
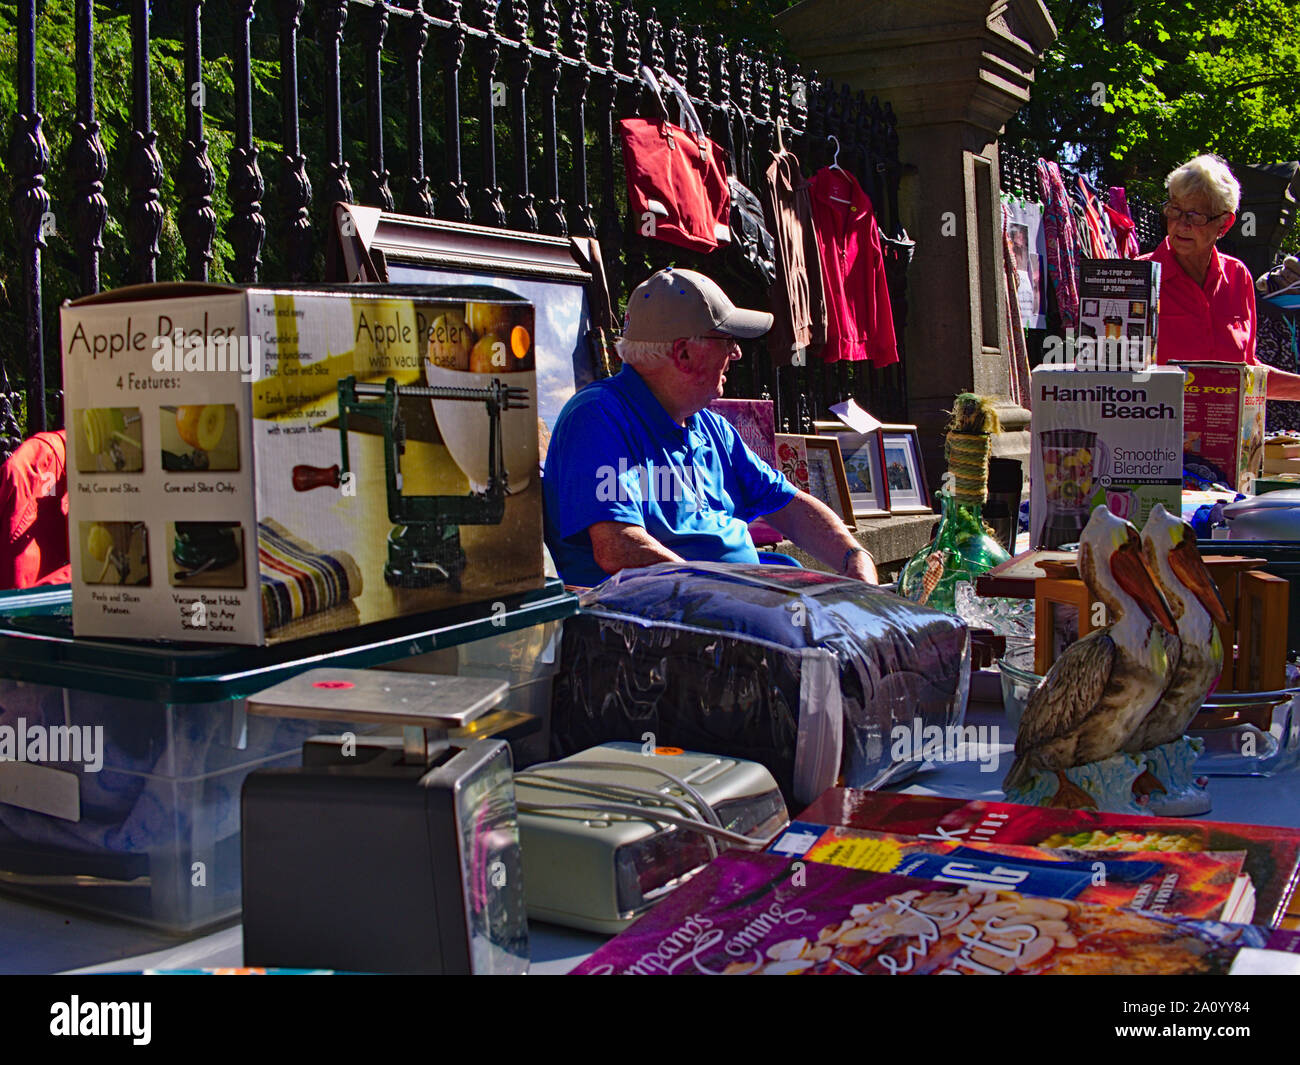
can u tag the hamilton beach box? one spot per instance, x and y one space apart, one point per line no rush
1102 437
252 465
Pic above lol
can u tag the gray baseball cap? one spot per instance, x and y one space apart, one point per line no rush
673 304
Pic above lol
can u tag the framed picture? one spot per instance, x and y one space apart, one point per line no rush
553 273
864 468
904 472
1062 615
792 458
826 478
755 423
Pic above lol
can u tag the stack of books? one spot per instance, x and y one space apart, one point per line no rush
870 882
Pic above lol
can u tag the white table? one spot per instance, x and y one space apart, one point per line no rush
36 938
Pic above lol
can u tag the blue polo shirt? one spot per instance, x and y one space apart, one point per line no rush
616 455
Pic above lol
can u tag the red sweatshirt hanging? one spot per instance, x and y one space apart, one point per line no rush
859 319
34 502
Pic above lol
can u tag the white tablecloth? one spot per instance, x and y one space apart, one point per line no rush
39 939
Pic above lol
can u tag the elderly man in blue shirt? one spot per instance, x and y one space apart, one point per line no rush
638 471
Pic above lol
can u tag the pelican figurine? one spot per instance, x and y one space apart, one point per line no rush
1169 546
1102 686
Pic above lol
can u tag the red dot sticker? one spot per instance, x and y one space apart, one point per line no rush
333 684
669 750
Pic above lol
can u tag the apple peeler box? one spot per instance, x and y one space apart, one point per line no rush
251 465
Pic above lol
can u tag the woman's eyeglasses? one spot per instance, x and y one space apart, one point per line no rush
1192 218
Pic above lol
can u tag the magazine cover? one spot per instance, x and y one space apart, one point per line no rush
1272 853
751 914
1186 883
755 423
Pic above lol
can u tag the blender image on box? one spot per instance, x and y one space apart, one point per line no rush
1074 462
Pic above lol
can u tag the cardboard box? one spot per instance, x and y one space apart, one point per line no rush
250 465
1099 437
1223 431
1119 303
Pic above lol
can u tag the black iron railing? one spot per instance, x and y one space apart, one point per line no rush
1020 178
502 114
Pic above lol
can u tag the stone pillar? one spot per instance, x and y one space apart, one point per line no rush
954 71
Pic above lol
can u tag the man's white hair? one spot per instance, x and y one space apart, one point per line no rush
1208 174
649 353
644 353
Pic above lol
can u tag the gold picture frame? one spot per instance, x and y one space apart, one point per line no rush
827 480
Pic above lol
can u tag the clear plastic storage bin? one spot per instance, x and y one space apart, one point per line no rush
145 824
142 822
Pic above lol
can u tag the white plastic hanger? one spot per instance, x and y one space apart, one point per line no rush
835 165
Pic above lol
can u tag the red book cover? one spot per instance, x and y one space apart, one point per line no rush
755 423
1185 883
1272 853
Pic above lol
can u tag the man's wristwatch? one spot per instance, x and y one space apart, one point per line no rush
844 565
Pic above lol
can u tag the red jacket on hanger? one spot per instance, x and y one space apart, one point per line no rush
859 319
34 505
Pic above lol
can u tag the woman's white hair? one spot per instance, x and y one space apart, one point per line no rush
1208 175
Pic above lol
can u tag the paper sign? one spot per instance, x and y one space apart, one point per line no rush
855 417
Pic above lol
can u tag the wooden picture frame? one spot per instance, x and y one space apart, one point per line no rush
864 468
909 491
1063 613
826 477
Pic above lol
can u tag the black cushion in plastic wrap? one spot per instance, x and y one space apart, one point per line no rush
707 657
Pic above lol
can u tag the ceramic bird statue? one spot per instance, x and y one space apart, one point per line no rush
1169 546
1103 685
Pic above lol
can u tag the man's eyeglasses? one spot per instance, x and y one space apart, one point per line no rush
1192 218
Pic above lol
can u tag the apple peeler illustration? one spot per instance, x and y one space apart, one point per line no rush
424 544
105 433
110 544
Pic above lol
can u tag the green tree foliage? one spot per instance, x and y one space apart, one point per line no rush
1133 88
57 101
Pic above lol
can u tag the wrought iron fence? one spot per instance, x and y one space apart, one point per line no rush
1020 177
506 117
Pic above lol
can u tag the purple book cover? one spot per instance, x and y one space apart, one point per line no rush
755 422
760 914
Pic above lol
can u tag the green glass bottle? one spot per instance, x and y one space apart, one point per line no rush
961 550
962 547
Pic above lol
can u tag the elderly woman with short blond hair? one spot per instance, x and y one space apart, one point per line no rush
1207 298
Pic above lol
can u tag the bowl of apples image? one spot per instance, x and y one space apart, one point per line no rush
469 349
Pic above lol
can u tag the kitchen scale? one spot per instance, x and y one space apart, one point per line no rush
386 854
